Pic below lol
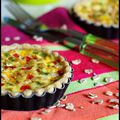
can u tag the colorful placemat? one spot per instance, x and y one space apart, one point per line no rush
76 92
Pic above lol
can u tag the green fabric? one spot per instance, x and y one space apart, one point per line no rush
36 2
58 47
89 83
111 117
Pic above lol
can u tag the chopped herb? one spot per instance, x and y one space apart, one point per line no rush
37 82
35 52
9 84
43 54
12 59
6 54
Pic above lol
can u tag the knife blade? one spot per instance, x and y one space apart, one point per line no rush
61 37
58 33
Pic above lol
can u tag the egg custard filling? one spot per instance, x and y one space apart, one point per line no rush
30 67
105 12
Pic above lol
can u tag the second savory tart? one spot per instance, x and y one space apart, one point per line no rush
104 12
99 17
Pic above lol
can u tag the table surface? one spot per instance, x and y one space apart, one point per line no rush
76 92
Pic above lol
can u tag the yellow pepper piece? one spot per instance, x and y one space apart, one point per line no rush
8 74
47 59
23 53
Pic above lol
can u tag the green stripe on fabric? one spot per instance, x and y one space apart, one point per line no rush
57 47
89 83
111 117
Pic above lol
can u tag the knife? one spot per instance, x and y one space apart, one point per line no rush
60 34
88 44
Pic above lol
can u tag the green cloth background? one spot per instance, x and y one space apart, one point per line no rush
36 2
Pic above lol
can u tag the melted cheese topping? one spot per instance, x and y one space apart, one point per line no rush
105 12
29 69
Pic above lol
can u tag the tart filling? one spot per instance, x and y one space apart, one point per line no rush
99 12
29 69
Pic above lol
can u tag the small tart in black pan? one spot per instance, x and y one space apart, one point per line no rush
99 17
32 77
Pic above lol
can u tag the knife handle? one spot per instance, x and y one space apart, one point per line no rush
102 44
105 51
100 54
72 43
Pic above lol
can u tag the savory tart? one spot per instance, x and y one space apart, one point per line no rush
31 69
101 12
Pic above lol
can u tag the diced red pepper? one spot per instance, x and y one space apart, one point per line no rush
28 59
5 67
24 87
58 60
60 72
16 55
55 62
12 67
29 76
26 68
2 84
